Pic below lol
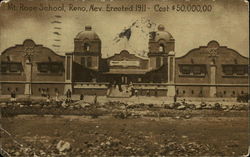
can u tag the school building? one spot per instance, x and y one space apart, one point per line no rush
212 70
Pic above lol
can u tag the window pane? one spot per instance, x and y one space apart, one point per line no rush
246 69
228 70
197 70
14 67
203 69
43 67
185 69
240 70
4 67
55 68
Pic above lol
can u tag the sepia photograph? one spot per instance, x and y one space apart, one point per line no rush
98 78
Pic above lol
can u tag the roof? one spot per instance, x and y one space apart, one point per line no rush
161 34
88 33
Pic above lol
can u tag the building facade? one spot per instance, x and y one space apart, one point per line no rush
207 71
31 69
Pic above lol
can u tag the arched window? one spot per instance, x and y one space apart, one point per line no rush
86 47
161 48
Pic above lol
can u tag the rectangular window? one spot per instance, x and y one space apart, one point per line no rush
241 69
193 69
14 67
4 67
55 68
197 70
246 69
228 69
43 67
185 69
10 67
50 67
235 69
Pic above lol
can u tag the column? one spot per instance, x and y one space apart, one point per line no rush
68 73
28 74
171 74
212 90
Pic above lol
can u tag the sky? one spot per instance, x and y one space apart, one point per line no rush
227 23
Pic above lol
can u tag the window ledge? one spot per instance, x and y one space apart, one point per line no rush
10 73
235 76
50 74
182 75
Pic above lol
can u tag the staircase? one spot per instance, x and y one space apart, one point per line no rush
115 92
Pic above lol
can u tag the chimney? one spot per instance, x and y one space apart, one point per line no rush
88 28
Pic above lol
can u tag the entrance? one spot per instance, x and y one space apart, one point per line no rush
119 86
124 79
117 79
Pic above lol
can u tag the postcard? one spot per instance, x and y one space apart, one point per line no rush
124 78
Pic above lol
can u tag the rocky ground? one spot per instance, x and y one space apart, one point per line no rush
119 129
114 107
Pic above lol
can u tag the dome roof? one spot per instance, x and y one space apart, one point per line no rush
161 34
87 34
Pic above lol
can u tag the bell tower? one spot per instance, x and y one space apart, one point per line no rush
161 54
161 43
87 50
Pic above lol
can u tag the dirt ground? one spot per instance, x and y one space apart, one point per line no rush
223 135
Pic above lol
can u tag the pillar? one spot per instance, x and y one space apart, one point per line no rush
68 73
28 74
212 89
171 74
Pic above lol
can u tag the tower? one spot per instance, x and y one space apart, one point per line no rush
161 43
161 55
87 49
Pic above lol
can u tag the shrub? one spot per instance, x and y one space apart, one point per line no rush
243 98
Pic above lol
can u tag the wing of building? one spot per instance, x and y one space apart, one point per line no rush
207 71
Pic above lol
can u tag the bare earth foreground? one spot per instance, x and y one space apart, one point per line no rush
217 134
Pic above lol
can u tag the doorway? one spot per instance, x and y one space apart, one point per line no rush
124 79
